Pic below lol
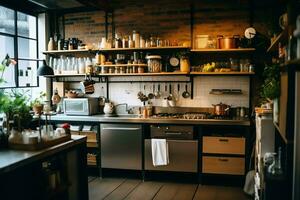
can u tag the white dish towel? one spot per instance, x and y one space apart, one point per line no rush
160 152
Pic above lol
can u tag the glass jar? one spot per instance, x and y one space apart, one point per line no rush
234 64
154 63
153 42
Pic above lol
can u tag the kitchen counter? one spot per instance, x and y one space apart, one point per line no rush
12 159
135 119
57 172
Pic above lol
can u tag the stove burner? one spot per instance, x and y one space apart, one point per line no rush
182 115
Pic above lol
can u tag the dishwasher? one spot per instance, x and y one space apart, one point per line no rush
121 146
183 149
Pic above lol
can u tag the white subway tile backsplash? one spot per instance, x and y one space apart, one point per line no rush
127 92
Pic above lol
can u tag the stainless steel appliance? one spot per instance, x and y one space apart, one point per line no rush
121 146
183 150
81 106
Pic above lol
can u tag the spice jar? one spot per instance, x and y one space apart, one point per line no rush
154 63
142 42
141 70
125 42
136 39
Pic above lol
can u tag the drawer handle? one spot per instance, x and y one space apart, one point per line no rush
223 140
120 128
223 160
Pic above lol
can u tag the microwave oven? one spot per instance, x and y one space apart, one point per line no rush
81 106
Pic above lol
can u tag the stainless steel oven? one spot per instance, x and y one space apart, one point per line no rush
81 106
183 149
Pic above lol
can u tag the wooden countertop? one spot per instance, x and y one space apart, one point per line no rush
13 159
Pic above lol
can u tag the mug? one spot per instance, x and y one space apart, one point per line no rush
283 21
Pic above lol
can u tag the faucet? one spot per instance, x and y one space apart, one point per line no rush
123 108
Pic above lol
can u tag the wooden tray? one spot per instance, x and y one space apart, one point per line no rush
41 145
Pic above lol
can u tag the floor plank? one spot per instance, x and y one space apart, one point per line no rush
176 191
205 192
123 190
145 191
229 193
100 188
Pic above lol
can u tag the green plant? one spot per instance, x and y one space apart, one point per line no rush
271 86
38 100
183 54
14 105
4 64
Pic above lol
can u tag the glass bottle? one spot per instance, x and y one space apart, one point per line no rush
130 43
51 44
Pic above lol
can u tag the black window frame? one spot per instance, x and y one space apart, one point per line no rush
15 37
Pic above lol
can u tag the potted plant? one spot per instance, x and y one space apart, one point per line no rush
17 112
184 61
271 87
37 104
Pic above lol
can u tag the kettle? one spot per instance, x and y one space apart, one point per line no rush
108 108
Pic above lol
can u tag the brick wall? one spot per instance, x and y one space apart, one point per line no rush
170 19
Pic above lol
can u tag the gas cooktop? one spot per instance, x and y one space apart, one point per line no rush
188 116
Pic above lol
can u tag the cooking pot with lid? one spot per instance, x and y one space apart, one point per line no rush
221 109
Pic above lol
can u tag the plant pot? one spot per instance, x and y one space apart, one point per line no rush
184 65
37 109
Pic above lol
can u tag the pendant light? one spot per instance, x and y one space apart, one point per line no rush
45 70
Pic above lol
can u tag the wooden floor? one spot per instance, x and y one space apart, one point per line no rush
117 188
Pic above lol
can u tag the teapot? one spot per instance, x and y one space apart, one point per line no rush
108 108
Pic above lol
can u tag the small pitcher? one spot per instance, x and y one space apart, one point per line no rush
108 108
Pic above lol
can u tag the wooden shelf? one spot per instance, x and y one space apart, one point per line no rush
144 49
78 51
223 50
280 132
294 64
125 74
160 74
222 73
281 37
124 65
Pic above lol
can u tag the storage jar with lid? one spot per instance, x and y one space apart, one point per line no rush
154 63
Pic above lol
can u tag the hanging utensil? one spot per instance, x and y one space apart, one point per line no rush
151 95
158 93
178 92
170 97
186 94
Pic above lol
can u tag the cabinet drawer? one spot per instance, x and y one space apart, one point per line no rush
91 136
223 165
224 145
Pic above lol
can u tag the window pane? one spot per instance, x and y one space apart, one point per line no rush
7 23
27 73
7 47
26 25
27 48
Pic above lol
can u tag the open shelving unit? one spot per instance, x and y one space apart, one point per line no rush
238 50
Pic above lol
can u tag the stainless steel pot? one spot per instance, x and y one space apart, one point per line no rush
221 109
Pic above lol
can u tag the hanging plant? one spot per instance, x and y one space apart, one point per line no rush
5 64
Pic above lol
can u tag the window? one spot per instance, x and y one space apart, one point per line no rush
18 39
